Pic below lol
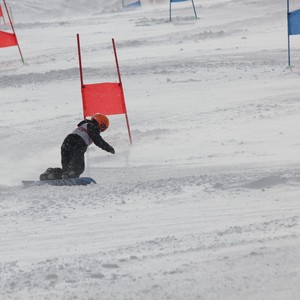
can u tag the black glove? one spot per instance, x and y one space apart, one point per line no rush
111 150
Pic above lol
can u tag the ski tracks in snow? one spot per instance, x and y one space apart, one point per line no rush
145 234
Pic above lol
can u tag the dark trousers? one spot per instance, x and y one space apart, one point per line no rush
72 155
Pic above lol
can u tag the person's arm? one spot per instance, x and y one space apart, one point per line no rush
94 133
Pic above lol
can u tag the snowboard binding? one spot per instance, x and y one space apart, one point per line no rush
52 174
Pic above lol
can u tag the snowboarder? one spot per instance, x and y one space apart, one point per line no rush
75 146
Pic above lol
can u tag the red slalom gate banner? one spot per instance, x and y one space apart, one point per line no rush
97 94
107 97
1 14
9 39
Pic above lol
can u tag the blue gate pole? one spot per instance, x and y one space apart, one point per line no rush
170 11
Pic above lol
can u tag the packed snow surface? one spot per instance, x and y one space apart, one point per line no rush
206 202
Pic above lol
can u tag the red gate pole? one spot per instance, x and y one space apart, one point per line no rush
79 59
120 82
80 71
12 27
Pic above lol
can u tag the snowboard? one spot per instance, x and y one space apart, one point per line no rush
60 182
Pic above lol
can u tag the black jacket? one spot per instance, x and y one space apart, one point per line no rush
93 130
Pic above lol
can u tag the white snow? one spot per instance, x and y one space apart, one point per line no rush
204 204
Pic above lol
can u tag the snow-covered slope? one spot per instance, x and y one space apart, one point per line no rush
41 10
204 204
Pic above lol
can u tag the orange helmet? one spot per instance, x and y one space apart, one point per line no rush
102 120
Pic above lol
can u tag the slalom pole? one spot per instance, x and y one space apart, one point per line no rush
170 11
117 63
81 74
288 32
12 27
194 9
79 60
120 83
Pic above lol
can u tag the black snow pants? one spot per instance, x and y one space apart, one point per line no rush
72 155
